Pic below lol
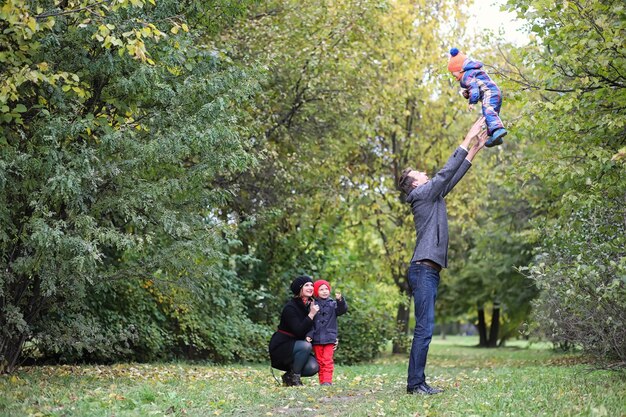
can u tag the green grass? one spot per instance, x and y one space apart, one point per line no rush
513 381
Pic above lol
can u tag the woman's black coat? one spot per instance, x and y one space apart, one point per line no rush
294 320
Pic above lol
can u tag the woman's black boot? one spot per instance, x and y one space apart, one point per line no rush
288 379
296 380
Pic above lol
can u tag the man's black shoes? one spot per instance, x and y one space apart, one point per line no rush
424 389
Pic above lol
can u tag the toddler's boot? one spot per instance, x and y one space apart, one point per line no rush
496 138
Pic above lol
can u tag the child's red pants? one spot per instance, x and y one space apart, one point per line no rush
324 356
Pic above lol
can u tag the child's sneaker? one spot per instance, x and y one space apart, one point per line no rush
496 138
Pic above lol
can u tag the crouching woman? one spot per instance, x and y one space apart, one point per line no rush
289 351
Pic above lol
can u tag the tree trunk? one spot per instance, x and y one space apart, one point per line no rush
495 326
27 299
402 325
482 327
10 351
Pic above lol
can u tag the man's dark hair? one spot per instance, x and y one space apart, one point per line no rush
404 183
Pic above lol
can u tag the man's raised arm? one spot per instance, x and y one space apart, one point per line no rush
474 131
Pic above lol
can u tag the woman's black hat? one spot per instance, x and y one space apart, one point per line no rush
299 282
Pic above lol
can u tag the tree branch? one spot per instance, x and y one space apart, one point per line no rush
61 13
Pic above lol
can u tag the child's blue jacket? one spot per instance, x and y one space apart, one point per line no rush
324 329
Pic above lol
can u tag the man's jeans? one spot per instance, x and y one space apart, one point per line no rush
423 281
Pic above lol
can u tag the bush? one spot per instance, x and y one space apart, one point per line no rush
582 277
364 329
145 321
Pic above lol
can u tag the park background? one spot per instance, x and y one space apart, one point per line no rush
167 168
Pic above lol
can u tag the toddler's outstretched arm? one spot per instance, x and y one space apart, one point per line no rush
474 91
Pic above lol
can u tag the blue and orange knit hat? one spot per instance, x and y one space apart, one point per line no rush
457 58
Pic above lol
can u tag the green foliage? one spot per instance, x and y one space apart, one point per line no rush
488 250
356 93
155 319
574 172
289 211
122 178
157 194
366 327
583 298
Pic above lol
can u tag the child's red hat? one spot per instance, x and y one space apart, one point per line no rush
457 59
317 284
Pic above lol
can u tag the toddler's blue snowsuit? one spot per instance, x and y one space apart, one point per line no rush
482 88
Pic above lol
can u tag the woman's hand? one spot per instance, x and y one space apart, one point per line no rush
313 309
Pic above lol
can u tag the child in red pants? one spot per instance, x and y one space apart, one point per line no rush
324 332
